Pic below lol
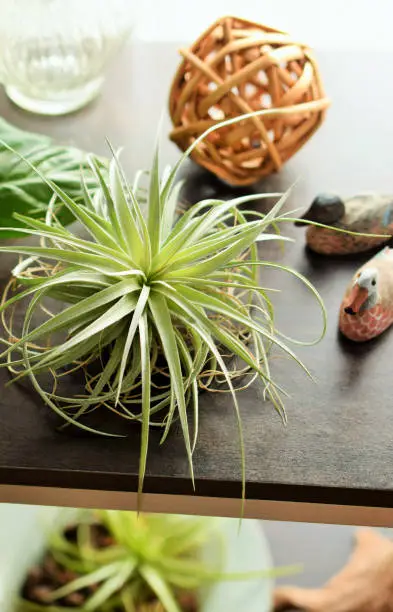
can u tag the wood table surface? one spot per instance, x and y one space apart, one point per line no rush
333 462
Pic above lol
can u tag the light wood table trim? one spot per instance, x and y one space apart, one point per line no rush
205 506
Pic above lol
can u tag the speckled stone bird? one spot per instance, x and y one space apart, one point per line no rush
367 308
369 214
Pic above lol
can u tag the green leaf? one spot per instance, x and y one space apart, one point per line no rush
172 246
111 586
218 305
207 338
66 277
112 213
110 367
127 220
154 216
137 314
73 313
310 286
219 241
193 370
146 389
59 236
21 190
132 191
103 573
123 307
163 323
94 226
199 320
168 214
169 416
98 263
216 261
37 386
158 585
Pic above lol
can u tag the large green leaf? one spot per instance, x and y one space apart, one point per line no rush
22 190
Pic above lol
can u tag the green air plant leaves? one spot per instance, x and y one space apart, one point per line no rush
143 558
157 303
23 191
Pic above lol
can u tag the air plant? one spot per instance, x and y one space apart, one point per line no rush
114 561
165 302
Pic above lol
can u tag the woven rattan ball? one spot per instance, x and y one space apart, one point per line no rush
238 67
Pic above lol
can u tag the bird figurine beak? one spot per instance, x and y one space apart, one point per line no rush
355 300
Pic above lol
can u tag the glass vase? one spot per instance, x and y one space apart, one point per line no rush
54 54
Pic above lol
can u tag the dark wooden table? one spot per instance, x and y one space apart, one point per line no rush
334 460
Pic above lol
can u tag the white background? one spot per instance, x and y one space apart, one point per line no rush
320 23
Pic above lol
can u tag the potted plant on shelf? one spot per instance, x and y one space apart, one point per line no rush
151 304
118 561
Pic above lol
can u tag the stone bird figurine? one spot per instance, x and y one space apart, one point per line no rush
367 308
366 214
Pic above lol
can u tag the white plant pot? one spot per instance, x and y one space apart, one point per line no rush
23 532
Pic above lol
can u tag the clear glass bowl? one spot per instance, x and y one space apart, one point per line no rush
54 53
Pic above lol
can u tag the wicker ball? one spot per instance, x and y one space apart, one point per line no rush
237 67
